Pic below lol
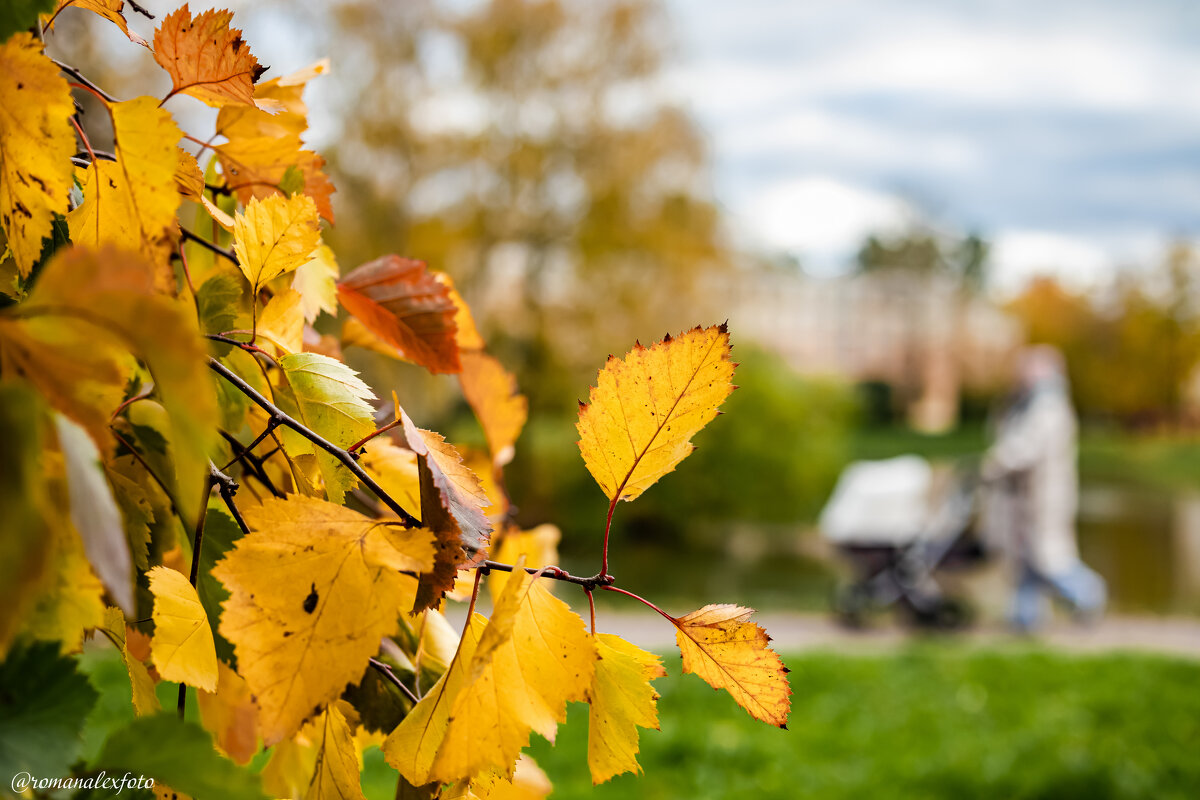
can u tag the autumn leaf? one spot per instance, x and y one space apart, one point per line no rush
645 408
395 469
491 391
274 237
313 589
206 58
24 540
539 546
622 700
289 116
74 334
512 674
400 301
337 770
182 648
111 10
257 168
36 145
528 783
145 701
230 715
131 202
332 401
452 503
94 511
316 281
282 322
189 181
722 646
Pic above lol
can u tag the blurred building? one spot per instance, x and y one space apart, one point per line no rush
922 336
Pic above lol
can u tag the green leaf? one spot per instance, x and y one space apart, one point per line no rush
220 532
43 703
292 180
179 754
21 15
333 402
218 304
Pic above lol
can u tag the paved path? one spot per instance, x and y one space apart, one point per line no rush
794 632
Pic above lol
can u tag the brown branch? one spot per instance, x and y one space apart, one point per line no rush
221 251
346 458
252 462
386 671
555 573
77 75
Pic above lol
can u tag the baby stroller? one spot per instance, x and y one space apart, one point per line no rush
898 529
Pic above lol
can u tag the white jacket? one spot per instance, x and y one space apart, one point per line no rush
1031 467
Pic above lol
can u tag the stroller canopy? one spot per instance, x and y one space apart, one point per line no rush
879 503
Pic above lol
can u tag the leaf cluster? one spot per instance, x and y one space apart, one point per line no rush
194 475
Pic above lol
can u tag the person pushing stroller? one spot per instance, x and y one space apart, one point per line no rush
1030 469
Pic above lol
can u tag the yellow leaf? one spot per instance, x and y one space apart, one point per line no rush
230 715
182 648
206 58
313 589
109 9
316 281
466 333
491 390
529 783
645 408
74 338
274 237
395 468
71 595
255 168
282 322
131 202
189 181
36 145
621 701
338 768
332 401
246 122
145 702
512 674
538 545
722 646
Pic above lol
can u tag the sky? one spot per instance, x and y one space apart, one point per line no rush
1066 133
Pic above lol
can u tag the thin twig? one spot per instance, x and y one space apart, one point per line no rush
254 463
79 76
386 671
558 574
221 251
138 8
227 486
340 454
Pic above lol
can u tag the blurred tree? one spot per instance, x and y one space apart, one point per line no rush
1131 355
524 147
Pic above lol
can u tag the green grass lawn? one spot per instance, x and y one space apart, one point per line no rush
929 722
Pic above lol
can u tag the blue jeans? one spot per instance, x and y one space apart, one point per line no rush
1080 587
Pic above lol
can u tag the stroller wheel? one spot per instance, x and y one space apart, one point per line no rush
947 614
852 605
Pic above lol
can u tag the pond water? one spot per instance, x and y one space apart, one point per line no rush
1146 543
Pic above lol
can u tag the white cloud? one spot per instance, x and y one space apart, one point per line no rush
822 220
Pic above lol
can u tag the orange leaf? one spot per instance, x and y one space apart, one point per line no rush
452 503
403 303
206 58
255 168
729 652
492 393
111 10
